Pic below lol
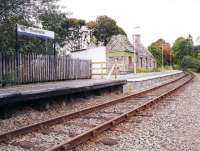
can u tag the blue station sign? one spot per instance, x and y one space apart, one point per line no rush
35 32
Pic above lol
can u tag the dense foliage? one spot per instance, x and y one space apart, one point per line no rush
189 62
183 54
47 15
186 55
67 30
104 28
182 47
29 9
23 12
156 49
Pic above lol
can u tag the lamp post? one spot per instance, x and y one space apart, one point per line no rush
162 58
134 51
134 56
170 59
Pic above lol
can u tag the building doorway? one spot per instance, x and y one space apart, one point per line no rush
129 60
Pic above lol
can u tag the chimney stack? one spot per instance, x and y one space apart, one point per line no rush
136 39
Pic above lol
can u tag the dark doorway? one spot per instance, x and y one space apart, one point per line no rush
129 60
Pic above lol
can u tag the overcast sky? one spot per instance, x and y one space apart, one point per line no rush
166 19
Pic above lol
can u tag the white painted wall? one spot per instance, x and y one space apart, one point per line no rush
97 54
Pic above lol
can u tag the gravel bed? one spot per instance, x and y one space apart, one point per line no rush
12 148
90 121
48 137
27 115
172 124
58 133
104 114
125 106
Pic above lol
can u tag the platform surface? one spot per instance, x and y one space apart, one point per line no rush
147 76
48 89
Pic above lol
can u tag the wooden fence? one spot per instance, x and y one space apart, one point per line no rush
32 68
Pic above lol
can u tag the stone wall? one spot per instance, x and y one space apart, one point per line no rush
120 50
122 59
137 86
145 62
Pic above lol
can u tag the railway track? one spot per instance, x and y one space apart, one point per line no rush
66 132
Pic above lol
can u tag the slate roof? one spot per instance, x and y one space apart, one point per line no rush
119 43
143 51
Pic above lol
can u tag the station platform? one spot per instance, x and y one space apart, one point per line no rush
142 81
49 89
9 95
148 76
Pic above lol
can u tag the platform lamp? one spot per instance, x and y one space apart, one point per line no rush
171 64
162 57
134 50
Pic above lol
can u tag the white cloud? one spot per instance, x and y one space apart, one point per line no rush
166 19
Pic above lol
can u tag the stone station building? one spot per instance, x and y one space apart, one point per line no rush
119 52
144 58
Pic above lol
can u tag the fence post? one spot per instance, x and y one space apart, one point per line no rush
101 70
55 60
17 55
3 76
91 72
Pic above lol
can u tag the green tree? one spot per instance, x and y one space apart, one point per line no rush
197 55
156 52
190 62
91 25
156 49
104 28
53 22
8 36
186 54
182 47
23 12
197 51
27 8
74 32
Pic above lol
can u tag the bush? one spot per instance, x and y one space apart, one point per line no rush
189 62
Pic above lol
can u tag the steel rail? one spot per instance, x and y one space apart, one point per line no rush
40 125
70 144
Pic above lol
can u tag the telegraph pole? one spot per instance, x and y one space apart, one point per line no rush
162 58
171 59
134 55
